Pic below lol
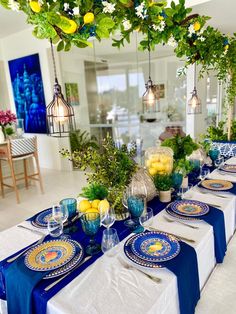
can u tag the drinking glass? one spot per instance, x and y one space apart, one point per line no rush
213 153
204 173
219 162
90 224
136 205
55 228
110 240
177 179
71 204
107 218
60 213
146 219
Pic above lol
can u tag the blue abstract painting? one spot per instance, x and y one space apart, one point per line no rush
28 93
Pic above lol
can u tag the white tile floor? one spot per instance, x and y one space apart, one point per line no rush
218 296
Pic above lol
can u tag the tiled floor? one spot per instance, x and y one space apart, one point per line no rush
218 296
57 185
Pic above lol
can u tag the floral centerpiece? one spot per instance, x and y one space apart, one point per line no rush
111 170
7 118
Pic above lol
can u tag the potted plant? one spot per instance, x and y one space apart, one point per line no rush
163 184
111 167
182 148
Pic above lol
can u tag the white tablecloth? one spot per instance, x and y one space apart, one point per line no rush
107 287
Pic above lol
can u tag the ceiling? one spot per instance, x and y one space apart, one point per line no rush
11 22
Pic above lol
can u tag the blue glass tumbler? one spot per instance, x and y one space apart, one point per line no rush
136 204
71 204
213 153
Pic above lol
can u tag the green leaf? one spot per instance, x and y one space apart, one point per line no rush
67 46
106 23
102 32
60 46
4 3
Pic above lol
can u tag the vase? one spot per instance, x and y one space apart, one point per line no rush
165 196
185 182
2 135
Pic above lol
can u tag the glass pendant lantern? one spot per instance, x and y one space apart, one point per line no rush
194 103
60 114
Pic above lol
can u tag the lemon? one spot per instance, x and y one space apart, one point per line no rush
92 213
88 18
148 163
158 166
152 171
104 206
35 6
196 26
161 18
95 203
84 205
72 28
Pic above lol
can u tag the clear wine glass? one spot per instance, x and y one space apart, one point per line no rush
219 162
60 215
110 240
146 219
55 228
107 218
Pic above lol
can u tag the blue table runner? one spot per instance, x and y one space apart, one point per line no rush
187 276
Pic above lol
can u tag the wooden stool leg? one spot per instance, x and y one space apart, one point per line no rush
26 174
14 180
1 180
39 173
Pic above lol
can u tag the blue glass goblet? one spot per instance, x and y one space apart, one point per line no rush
90 224
136 205
213 153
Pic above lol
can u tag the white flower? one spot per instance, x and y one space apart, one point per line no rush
191 30
172 42
108 7
127 25
155 27
13 5
66 6
76 11
202 38
141 11
40 2
161 26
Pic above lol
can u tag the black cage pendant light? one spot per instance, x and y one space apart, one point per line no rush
194 103
149 99
60 114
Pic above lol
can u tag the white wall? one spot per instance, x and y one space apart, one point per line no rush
19 45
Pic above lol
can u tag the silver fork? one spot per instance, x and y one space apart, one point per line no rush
12 259
128 266
211 193
181 222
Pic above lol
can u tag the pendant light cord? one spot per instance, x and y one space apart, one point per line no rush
54 62
149 56
195 75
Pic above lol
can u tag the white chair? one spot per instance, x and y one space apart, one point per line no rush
20 149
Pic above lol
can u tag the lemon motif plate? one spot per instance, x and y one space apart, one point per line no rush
189 208
155 246
50 255
217 185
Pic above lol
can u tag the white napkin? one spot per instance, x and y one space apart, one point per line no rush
222 176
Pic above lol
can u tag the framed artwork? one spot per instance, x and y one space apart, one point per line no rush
159 90
72 93
27 86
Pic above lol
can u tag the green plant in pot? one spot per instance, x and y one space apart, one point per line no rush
110 167
182 148
163 184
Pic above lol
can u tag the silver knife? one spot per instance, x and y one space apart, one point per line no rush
67 274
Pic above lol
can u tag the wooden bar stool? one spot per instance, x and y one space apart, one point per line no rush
19 149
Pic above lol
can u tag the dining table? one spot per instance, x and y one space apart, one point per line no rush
113 284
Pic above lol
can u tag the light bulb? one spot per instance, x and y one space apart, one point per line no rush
60 112
150 97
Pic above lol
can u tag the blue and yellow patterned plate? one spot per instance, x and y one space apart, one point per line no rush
155 246
79 254
216 185
228 168
189 208
170 212
50 255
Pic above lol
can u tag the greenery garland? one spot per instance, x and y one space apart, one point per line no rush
74 22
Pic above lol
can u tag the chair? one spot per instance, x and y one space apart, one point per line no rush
20 149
